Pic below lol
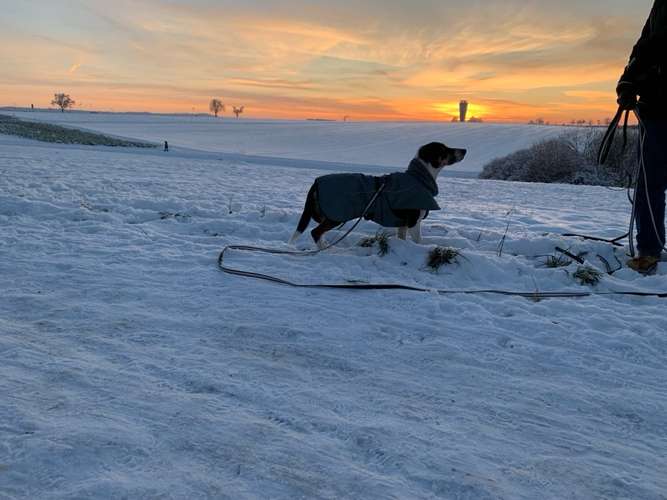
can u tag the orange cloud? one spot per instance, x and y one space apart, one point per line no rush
371 60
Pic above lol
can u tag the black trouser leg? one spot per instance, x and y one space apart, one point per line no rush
651 202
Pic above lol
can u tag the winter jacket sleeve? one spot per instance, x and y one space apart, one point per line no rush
649 51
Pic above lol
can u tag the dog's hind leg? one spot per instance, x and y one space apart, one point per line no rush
318 232
306 216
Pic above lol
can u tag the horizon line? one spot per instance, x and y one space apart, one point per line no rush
448 119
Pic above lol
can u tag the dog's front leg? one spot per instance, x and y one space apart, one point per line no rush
416 230
402 232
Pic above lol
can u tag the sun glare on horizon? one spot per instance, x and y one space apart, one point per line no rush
451 110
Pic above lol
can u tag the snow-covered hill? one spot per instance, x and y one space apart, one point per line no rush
131 367
386 144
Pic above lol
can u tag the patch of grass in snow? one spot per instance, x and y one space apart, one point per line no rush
47 132
587 275
556 261
381 238
442 256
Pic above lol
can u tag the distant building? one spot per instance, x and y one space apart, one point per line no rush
463 110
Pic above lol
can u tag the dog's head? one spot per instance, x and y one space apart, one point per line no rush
438 155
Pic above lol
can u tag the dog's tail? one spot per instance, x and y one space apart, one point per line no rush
306 216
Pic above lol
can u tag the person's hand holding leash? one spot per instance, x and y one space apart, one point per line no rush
627 95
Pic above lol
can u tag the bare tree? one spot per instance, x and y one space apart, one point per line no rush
238 111
216 106
63 101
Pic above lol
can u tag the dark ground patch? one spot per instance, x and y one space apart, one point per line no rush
47 132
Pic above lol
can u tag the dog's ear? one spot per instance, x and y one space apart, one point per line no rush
432 153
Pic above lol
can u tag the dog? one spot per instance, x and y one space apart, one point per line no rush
403 199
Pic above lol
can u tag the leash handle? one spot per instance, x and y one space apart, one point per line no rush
608 138
625 130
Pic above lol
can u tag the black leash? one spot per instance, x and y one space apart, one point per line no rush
390 286
608 139
614 241
581 261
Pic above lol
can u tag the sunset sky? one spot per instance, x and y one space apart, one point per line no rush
369 59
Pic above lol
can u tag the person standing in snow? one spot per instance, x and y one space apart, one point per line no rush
646 76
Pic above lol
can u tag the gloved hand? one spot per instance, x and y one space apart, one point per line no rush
627 95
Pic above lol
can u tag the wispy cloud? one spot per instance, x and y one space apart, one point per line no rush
376 59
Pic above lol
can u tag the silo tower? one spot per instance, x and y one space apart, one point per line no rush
463 110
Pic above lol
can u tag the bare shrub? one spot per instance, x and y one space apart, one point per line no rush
570 158
553 160
620 162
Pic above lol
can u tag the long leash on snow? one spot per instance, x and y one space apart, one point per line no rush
536 295
389 286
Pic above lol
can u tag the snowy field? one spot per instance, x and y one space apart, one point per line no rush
383 144
131 367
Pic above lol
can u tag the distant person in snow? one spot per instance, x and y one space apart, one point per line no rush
166 146
646 76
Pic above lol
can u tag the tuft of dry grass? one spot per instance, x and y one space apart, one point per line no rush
381 238
367 242
442 256
556 261
587 275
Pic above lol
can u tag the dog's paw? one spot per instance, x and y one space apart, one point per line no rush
294 237
322 244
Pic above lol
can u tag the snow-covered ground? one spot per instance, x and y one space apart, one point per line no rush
386 144
131 367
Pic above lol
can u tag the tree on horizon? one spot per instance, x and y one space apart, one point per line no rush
216 106
63 101
238 111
